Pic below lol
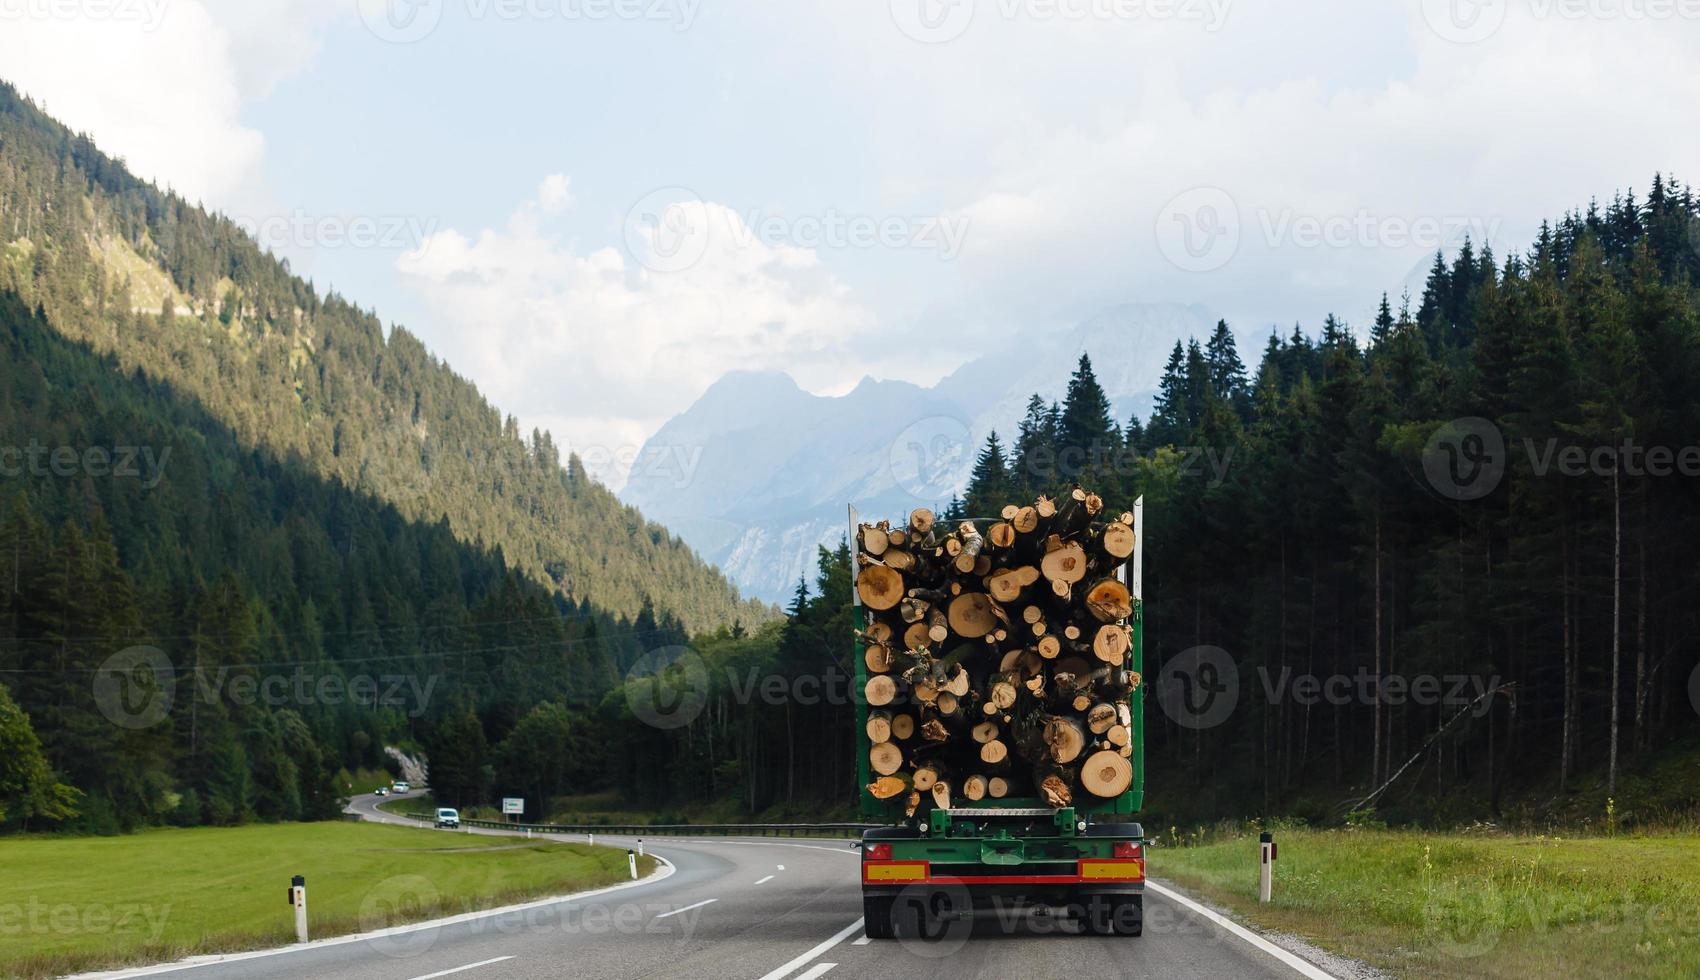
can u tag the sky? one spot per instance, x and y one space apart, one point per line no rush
596 208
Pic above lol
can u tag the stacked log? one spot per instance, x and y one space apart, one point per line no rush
997 654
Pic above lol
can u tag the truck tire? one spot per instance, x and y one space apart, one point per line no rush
912 919
1116 915
876 917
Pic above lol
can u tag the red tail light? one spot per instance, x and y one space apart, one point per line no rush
1126 849
877 852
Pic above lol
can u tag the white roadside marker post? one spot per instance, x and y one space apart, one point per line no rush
298 899
631 859
1266 868
592 840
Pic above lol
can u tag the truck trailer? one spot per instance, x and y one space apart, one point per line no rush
927 866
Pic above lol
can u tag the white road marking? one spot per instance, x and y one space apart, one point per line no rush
862 941
802 960
765 880
816 971
663 871
782 867
687 908
1303 966
463 969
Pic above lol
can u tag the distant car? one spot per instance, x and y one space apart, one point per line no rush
448 817
381 791
400 786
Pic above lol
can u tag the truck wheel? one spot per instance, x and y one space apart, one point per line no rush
876 917
1116 915
911 919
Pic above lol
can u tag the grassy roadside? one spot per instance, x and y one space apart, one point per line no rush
1464 905
70 904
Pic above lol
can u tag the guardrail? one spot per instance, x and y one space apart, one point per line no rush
669 829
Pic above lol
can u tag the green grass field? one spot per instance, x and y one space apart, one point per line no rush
77 903
1466 905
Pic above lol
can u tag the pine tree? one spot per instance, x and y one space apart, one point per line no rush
989 485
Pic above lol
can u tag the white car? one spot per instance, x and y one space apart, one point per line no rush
448 817
401 787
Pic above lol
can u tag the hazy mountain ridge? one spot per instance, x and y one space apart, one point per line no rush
775 467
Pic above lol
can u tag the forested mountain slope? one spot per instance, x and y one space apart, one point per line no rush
186 298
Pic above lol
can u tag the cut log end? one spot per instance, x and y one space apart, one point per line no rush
881 690
885 758
1106 774
880 587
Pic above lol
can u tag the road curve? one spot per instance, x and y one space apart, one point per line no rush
757 909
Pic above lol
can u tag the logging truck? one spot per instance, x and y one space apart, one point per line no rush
1000 742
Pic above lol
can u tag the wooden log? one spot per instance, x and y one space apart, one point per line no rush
917 636
1109 601
974 787
878 632
1026 520
1100 717
1110 644
1001 689
1106 774
1119 735
972 615
1001 534
886 787
1117 540
928 773
921 520
1052 783
879 726
878 658
874 539
881 690
985 731
934 730
1007 585
899 537
1065 738
885 758
997 787
879 586
1049 647
902 727
994 753
938 624
941 795
1045 507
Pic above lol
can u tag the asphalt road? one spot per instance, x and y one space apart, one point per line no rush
758 910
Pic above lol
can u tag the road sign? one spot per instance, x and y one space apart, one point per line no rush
512 805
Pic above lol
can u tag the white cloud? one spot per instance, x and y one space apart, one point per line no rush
549 329
162 83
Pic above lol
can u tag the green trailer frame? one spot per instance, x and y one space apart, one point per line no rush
1088 857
